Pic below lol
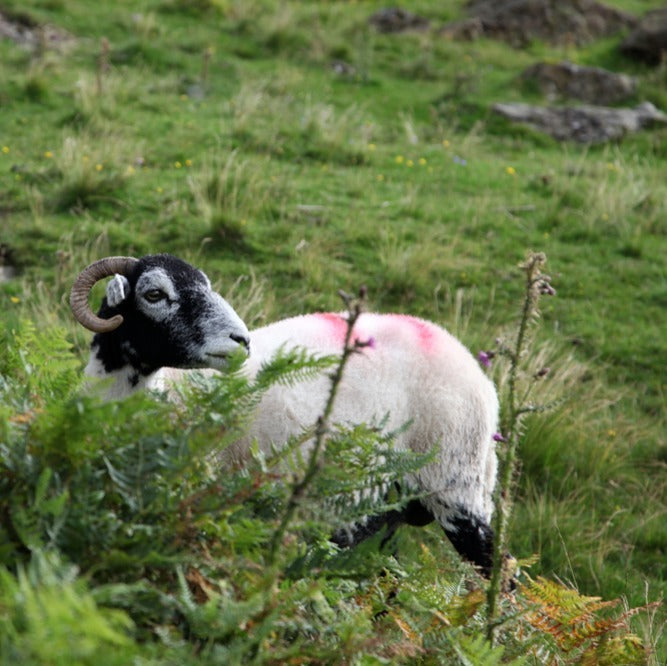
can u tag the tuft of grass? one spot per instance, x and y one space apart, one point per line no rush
231 196
409 269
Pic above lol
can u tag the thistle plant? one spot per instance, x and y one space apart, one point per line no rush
102 65
354 309
516 406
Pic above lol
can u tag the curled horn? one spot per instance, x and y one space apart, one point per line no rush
78 298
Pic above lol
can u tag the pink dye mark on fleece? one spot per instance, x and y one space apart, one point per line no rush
334 326
426 333
427 336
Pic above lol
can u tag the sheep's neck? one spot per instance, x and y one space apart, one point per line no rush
124 381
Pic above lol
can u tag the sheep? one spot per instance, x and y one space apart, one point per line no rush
160 318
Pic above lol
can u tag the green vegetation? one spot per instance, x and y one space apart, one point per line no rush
218 130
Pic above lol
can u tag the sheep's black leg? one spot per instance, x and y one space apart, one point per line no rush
413 513
470 535
473 539
355 534
358 532
416 514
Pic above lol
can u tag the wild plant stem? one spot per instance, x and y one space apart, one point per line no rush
321 430
510 431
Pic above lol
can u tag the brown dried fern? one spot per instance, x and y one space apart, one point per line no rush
581 628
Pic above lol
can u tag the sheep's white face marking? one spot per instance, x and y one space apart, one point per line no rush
217 345
156 295
220 330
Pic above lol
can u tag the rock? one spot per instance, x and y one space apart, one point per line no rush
23 30
583 124
395 19
554 21
648 41
589 84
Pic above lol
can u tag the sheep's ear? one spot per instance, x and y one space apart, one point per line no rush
118 290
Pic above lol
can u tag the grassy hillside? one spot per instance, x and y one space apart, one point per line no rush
222 132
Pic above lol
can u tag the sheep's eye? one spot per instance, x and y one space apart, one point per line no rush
155 295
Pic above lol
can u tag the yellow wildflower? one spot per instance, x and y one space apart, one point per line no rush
399 159
14 299
422 161
409 163
188 163
99 167
510 170
177 164
48 154
445 143
5 149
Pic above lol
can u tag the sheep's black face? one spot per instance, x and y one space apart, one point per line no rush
172 318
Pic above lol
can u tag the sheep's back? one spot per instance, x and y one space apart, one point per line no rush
409 370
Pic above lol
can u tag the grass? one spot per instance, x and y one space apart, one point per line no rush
219 131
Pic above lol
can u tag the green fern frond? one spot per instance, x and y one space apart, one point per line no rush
43 360
290 366
476 651
49 616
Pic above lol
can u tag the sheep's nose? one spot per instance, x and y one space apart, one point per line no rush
242 340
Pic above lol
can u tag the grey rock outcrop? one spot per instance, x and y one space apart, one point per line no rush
588 84
28 33
554 21
583 124
648 41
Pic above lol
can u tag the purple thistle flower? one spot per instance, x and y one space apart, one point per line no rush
546 288
361 344
498 437
484 358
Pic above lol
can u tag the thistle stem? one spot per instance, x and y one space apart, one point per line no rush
510 429
321 430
